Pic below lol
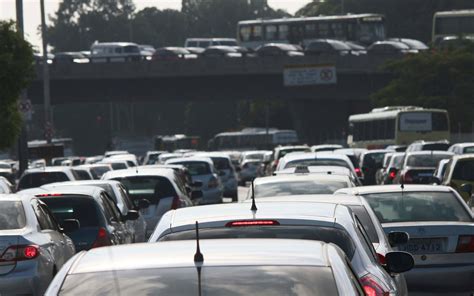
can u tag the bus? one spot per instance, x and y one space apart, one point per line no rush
177 142
253 139
452 23
397 125
364 29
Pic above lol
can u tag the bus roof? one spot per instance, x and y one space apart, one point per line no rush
256 131
369 16
389 112
464 12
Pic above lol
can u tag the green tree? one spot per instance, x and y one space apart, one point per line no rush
441 79
16 70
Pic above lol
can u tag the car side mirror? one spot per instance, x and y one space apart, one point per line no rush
196 194
70 225
435 180
131 215
398 262
466 188
197 184
398 238
143 204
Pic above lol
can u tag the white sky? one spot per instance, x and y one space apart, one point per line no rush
32 18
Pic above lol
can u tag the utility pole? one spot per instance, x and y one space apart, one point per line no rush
48 127
23 139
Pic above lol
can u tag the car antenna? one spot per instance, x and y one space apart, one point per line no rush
402 186
198 259
254 206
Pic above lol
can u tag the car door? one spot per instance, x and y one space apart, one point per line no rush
138 226
115 219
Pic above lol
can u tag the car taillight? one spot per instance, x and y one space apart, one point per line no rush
213 183
48 194
102 239
371 287
358 172
176 203
20 253
465 244
392 174
245 223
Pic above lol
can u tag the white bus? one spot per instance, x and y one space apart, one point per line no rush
359 28
452 23
397 125
253 139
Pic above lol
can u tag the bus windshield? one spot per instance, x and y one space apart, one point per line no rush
454 25
370 32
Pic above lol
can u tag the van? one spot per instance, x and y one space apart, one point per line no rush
115 52
206 42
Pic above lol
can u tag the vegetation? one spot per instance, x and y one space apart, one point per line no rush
16 70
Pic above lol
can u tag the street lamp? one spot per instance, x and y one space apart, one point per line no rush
46 90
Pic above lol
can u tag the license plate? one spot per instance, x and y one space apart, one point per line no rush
424 246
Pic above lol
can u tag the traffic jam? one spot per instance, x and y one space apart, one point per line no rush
326 219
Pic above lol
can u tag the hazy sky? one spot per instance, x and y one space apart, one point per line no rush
32 18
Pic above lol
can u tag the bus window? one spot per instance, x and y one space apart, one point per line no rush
454 25
271 32
310 31
324 30
439 121
283 32
257 33
245 32
118 50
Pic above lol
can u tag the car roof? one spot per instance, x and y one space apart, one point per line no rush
168 172
299 177
463 156
15 197
343 199
48 169
393 188
330 170
216 252
427 152
82 183
241 211
190 159
71 189
314 155
462 145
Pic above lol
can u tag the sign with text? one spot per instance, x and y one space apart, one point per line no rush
415 122
309 75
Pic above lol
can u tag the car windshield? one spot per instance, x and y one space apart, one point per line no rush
320 233
295 187
417 206
12 215
221 163
38 179
426 160
317 162
196 168
152 188
263 280
464 170
284 152
81 208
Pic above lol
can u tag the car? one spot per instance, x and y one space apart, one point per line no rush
114 152
396 148
131 159
298 184
459 172
160 187
93 159
462 148
5 186
206 42
326 222
325 147
82 173
33 245
115 164
413 44
418 167
151 157
370 162
96 170
36 177
328 47
354 155
226 172
394 165
6 171
172 54
101 223
281 151
221 51
278 49
389 48
69 58
382 243
236 267
421 145
441 230
326 170
115 52
162 158
315 159
380 174
203 171
249 170
118 193
439 171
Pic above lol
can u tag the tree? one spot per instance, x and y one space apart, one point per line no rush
441 79
16 70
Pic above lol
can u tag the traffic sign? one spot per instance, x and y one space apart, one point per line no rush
24 106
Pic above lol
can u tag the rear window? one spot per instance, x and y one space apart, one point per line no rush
196 168
298 188
468 150
12 215
428 160
284 152
33 180
118 166
320 233
464 170
152 188
258 280
417 206
317 162
221 163
98 172
82 175
436 147
373 160
84 209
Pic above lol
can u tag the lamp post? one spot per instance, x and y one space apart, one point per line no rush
46 90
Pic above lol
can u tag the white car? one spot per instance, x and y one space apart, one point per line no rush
33 246
314 159
37 177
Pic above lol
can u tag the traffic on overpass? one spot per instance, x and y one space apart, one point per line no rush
234 147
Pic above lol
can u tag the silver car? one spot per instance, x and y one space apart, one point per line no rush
237 267
327 222
33 246
441 229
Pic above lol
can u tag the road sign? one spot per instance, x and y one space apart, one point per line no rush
300 75
24 106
